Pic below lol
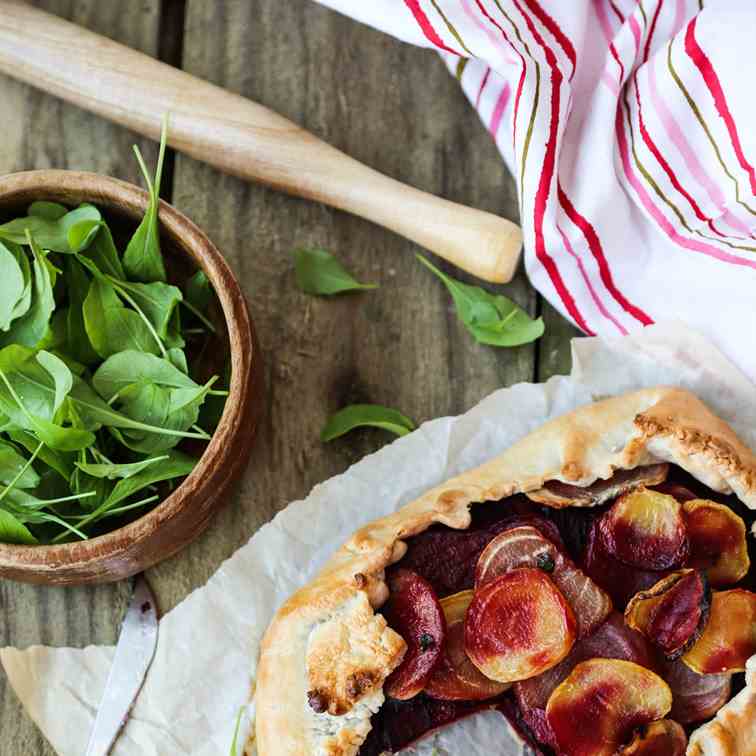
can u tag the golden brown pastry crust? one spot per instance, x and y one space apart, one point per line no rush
624 432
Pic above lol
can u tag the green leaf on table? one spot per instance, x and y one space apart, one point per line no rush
48 233
111 327
126 368
490 318
103 253
30 328
12 286
51 210
177 465
13 530
319 272
143 260
361 415
11 464
118 471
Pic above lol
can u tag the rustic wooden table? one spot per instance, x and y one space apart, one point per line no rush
389 105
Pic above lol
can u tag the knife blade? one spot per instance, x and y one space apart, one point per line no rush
133 656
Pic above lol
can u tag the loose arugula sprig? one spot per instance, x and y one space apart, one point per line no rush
490 318
319 272
96 390
366 415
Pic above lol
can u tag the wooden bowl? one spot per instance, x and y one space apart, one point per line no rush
186 512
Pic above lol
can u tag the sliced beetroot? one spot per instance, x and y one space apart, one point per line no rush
518 625
398 724
619 580
612 640
695 698
600 705
446 558
645 529
555 493
414 612
455 677
673 612
717 541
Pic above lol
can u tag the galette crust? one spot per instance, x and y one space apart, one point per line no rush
641 428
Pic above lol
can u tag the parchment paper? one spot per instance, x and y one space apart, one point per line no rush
205 663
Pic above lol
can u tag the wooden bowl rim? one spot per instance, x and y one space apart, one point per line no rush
126 198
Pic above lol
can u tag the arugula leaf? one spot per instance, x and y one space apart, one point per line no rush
52 234
103 253
143 260
319 272
13 468
24 301
31 327
177 358
60 462
14 531
177 465
199 292
110 326
76 339
114 471
61 375
234 746
82 234
11 286
490 318
128 367
361 415
156 300
51 210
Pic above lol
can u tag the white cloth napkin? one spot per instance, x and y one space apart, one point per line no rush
628 125
205 663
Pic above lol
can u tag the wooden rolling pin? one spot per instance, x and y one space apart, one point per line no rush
241 137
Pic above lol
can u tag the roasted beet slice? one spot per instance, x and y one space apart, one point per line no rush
664 737
673 612
602 702
729 638
526 547
518 626
717 541
397 724
612 640
645 529
415 613
456 678
619 580
558 494
695 697
446 558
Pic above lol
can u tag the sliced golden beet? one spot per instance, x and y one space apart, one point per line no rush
664 737
415 613
518 626
456 678
729 638
601 703
673 612
717 541
525 546
645 529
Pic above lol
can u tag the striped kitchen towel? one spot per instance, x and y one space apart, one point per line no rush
629 126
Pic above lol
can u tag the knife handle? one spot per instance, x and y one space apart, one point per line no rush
241 137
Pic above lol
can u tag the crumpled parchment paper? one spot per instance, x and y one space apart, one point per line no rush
204 667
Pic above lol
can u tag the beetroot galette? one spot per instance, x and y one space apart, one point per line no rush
592 583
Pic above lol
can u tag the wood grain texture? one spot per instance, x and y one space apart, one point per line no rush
391 106
242 137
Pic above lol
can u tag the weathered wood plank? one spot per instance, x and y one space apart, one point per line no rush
39 131
397 109
554 346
